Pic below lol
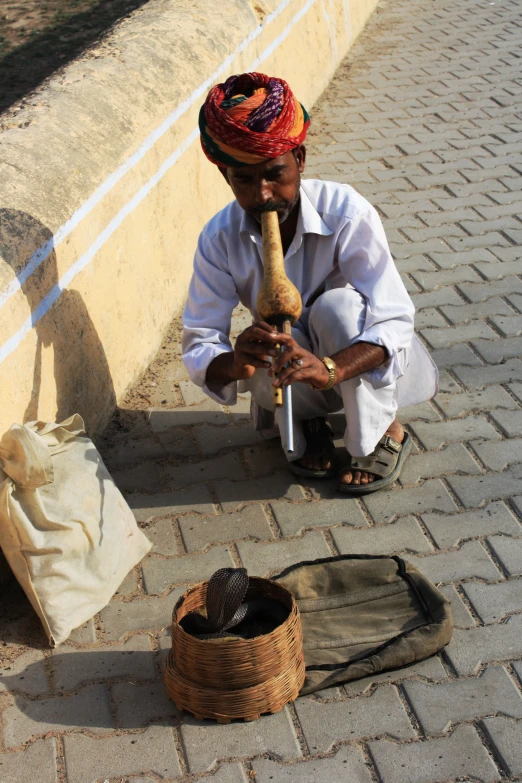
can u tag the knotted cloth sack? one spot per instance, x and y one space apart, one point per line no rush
365 614
65 529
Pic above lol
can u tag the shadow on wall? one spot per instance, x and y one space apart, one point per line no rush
81 373
26 66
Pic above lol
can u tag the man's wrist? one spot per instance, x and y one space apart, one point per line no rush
221 370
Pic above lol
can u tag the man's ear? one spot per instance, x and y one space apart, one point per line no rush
300 157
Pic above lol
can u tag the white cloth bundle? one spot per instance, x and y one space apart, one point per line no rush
65 529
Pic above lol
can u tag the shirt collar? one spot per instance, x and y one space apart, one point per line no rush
309 221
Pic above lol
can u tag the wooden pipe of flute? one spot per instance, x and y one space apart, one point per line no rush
279 301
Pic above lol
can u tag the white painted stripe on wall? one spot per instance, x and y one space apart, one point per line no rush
47 302
39 256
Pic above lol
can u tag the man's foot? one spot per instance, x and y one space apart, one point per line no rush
356 477
319 458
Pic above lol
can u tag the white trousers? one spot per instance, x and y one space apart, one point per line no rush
335 321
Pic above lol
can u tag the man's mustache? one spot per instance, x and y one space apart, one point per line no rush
271 206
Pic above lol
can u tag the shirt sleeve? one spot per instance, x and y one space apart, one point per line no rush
206 320
366 264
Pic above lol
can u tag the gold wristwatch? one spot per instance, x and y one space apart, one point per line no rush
332 372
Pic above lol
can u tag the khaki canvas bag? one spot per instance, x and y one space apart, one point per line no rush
65 529
365 614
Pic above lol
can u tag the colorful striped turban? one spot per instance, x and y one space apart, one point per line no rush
249 119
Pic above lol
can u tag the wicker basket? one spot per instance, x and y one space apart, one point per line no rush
225 679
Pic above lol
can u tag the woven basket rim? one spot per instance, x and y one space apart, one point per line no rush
238 642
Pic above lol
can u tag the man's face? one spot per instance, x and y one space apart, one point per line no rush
272 185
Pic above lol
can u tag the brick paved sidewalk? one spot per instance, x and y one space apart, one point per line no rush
422 119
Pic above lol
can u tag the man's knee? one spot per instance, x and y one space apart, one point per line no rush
340 311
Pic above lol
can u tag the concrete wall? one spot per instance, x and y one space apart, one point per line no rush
104 189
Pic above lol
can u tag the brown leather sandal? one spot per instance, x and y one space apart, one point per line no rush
385 461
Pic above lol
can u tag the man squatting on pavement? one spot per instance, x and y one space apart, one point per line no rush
353 347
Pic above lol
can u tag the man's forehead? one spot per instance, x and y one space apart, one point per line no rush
259 168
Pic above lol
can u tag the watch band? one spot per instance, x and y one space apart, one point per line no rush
332 373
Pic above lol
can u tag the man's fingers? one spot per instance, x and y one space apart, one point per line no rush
256 334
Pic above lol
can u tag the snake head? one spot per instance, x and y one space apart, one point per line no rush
225 593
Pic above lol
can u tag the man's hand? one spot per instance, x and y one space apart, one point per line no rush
297 364
254 348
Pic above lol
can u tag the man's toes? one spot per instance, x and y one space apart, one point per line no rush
357 477
327 464
346 478
370 478
364 478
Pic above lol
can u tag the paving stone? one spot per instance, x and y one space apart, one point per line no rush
190 500
346 764
132 452
430 317
439 706
506 737
264 559
147 477
470 649
37 762
434 436
460 755
500 350
463 313
26 674
158 574
497 456
324 724
128 586
88 709
443 338
471 561
474 490
139 705
72 667
229 773
516 389
192 394
405 535
516 301
432 495
491 397
161 534
214 439
454 356
154 750
227 466
448 384
431 669
142 614
453 459
206 742
293 518
251 522
509 421
448 531
493 602
433 280
208 412
509 552
262 462
510 325
477 378
86 633
233 494
444 296
462 617
477 292
424 411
